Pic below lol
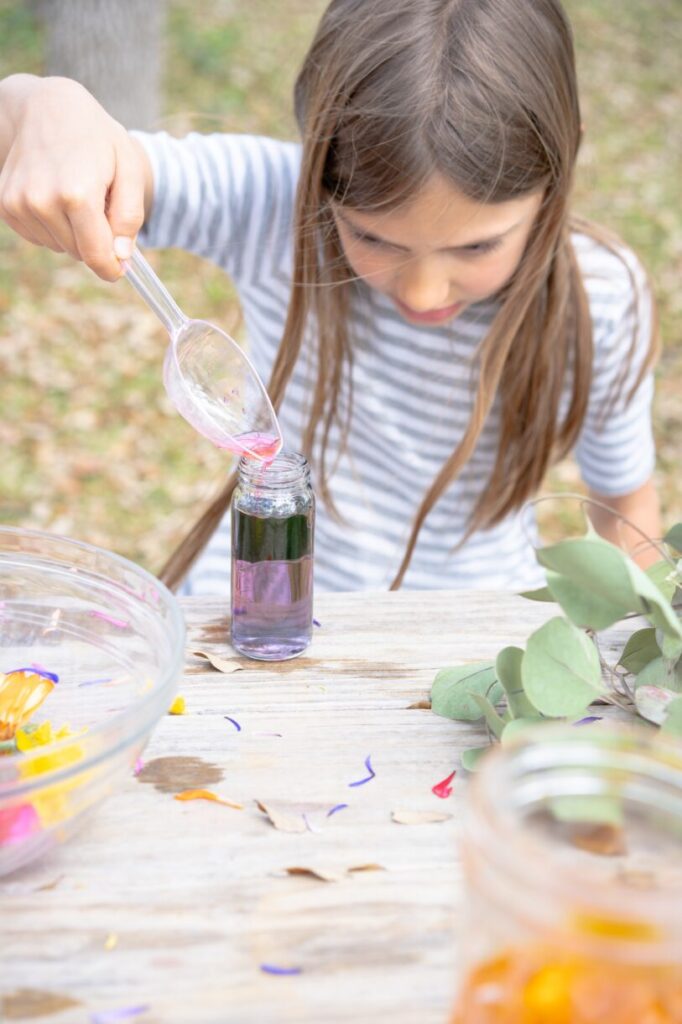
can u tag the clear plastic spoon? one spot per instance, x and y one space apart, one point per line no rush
207 376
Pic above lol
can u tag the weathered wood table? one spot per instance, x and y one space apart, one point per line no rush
162 911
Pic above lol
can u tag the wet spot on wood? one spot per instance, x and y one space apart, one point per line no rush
26 1003
173 774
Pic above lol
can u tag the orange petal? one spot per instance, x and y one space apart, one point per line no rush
205 794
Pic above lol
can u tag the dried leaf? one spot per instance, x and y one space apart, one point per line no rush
205 794
418 817
604 840
333 873
289 816
420 705
224 665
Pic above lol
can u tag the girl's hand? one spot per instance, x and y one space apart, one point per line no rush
72 178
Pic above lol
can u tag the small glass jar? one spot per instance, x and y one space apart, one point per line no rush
572 856
273 517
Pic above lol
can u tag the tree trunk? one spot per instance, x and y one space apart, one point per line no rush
114 48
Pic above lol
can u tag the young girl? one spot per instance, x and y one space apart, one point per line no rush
435 327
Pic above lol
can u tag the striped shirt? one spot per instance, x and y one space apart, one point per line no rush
230 198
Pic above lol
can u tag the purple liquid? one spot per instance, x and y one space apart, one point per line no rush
272 607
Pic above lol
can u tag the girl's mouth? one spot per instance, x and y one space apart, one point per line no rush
431 316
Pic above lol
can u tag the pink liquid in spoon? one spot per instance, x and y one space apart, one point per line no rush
254 445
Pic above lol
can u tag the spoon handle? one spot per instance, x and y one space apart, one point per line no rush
155 294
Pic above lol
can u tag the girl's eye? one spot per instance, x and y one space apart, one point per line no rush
482 247
368 239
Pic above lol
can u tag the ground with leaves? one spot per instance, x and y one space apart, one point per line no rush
90 445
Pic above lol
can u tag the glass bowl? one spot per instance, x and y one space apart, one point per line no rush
114 635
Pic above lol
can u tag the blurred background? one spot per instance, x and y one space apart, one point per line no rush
89 445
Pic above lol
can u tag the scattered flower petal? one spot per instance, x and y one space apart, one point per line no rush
139 765
205 794
289 816
419 817
277 734
335 808
111 941
273 969
234 722
17 822
588 719
444 789
322 874
317 623
96 682
37 670
178 706
372 773
420 705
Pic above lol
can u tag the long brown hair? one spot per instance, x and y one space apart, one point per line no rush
484 93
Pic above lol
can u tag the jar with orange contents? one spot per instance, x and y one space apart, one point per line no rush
572 854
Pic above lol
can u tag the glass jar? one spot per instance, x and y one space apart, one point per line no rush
572 856
273 516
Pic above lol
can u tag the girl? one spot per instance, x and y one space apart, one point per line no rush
436 329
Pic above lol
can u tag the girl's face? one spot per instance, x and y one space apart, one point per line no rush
440 252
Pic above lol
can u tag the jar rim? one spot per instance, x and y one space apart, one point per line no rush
554 761
288 467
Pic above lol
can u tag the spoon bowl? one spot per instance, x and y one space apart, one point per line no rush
208 377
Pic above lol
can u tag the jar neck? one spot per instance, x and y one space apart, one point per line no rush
529 812
286 471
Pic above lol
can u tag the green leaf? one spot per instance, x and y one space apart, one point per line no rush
664 577
671 647
519 727
560 669
652 702
590 810
471 759
508 671
452 689
661 672
581 604
640 649
493 720
673 721
616 584
541 594
674 538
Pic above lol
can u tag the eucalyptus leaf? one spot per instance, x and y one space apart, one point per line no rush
640 649
581 604
671 647
661 672
560 669
518 727
471 759
659 611
596 809
599 576
664 577
652 702
508 671
673 721
452 689
541 594
493 720
674 538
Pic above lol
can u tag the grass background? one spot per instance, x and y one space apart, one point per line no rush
89 444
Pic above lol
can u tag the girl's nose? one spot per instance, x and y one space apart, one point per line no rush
423 287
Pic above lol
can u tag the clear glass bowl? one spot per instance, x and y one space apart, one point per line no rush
114 635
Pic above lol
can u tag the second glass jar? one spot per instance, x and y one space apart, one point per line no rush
273 517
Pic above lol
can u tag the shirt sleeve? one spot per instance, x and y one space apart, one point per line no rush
227 198
615 450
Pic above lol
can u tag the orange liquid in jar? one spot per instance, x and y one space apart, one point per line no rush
530 986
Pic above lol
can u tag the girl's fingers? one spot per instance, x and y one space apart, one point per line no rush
93 238
125 202
36 235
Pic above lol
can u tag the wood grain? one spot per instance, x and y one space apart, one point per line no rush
198 896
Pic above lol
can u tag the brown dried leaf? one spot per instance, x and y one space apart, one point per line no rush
604 840
332 873
225 665
420 705
419 817
289 816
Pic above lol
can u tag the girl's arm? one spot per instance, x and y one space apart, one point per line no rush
642 508
72 178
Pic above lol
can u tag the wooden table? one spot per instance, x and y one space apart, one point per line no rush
176 906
